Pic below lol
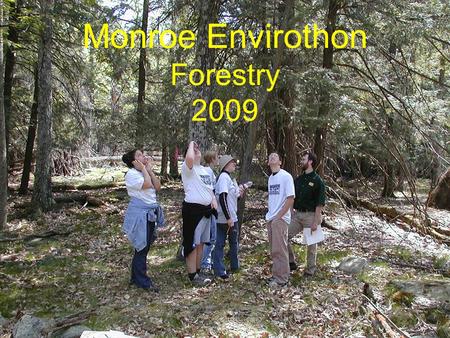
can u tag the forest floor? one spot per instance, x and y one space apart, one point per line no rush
87 267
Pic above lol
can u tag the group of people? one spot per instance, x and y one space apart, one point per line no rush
209 214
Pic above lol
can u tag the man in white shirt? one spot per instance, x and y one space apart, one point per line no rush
281 198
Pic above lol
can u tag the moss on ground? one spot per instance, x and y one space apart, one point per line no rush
89 269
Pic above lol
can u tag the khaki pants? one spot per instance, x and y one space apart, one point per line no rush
278 241
299 221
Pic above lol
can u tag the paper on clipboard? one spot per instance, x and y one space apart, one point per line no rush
316 236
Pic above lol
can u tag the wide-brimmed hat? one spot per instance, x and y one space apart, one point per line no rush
224 160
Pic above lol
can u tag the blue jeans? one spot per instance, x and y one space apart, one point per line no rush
139 275
222 234
206 262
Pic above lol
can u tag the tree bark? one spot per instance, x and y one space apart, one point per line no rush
30 139
204 59
286 97
288 151
440 196
164 160
3 162
251 128
10 62
140 131
389 180
173 170
320 136
42 190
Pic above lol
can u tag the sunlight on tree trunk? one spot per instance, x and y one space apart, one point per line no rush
204 59
42 190
320 139
3 164
30 139
140 130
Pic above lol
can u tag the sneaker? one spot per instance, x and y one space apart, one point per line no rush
270 279
200 281
152 288
224 277
206 273
273 284
293 266
308 274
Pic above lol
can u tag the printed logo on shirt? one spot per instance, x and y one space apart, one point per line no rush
274 189
206 179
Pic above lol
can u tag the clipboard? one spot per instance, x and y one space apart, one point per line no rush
316 237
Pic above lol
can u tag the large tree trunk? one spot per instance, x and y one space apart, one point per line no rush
440 196
42 189
3 163
320 136
437 165
30 139
288 151
173 170
281 132
280 126
389 180
204 59
164 159
286 97
140 132
251 128
10 62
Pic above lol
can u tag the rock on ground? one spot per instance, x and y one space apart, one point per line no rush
353 265
30 327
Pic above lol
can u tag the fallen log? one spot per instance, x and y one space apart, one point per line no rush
63 187
380 320
100 186
68 321
81 197
59 187
419 225
46 234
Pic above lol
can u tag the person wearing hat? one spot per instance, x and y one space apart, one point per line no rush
227 193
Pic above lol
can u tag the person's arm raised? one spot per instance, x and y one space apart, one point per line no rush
138 165
190 155
155 180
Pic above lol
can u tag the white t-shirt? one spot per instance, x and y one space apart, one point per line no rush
134 180
197 183
281 186
226 184
213 176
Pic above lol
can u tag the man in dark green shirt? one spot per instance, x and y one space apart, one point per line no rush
308 204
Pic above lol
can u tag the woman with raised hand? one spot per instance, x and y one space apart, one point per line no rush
199 206
143 214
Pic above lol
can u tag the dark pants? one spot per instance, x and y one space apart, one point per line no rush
222 233
139 263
